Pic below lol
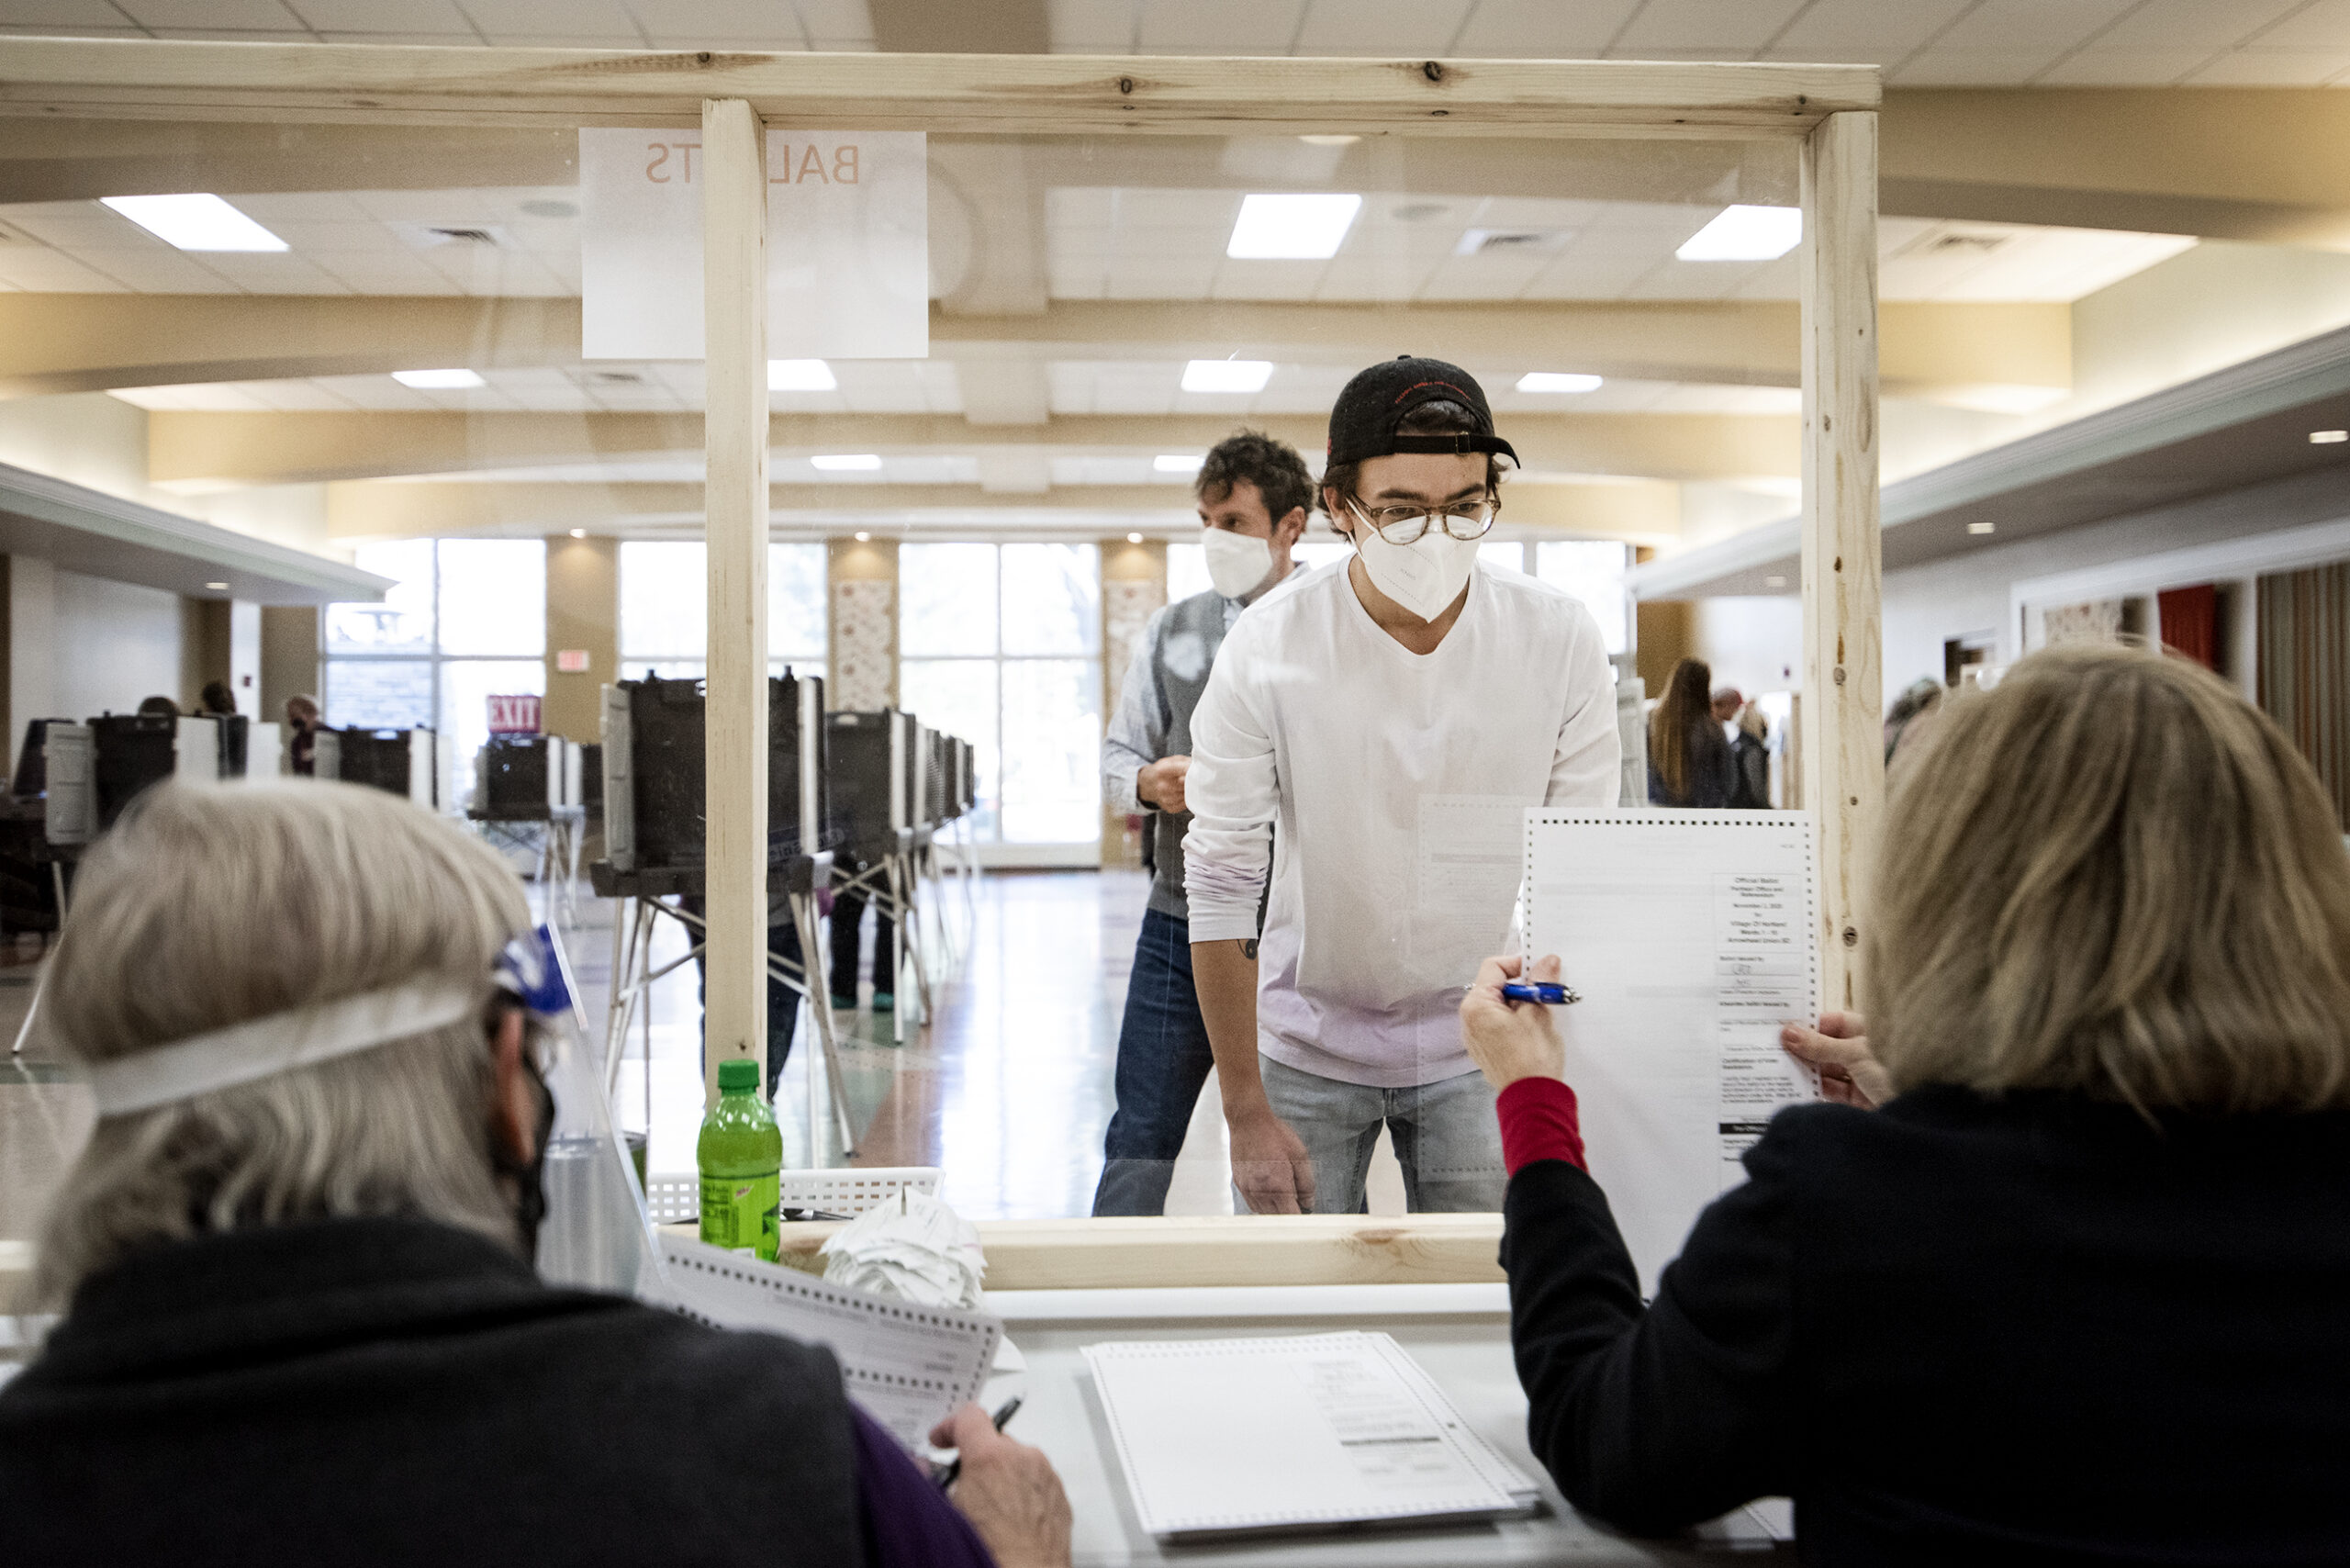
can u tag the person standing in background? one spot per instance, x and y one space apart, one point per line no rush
847 919
1374 733
1750 756
1689 763
302 734
1727 701
1254 494
216 700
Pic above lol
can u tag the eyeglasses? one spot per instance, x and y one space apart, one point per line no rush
1463 521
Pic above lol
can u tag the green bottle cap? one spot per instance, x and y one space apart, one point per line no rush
737 1072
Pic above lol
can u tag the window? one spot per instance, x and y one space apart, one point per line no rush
1510 554
1593 570
665 608
1001 644
465 620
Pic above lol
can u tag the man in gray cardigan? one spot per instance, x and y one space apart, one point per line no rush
1254 494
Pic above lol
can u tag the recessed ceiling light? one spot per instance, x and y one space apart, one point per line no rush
1133 538
438 380
1330 140
1292 228
218 588
195 222
847 462
1982 527
1227 375
2328 437
800 375
862 537
579 534
1176 463
1557 381
1743 233
1774 582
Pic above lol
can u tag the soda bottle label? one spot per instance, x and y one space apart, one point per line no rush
741 1213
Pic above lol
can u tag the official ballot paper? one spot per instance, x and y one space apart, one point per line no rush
1690 935
905 1365
1323 1431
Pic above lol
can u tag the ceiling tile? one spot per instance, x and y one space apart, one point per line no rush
1940 67
52 272
2021 25
1092 27
380 15
1589 277
1542 29
1731 25
210 12
1266 280
159 270
1223 26
548 19
723 24
835 23
236 34
1875 29
2192 24
2325 25
1412 28
63 13
72 29
384 273
2273 68
2100 67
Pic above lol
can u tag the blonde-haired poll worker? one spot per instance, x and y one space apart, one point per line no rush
1373 733
2075 1291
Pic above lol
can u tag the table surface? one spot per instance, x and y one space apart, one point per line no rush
1459 1333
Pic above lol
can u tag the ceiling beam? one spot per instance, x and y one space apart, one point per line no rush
87 343
193 452
1645 510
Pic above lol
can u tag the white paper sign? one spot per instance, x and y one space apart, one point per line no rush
848 245
1690 935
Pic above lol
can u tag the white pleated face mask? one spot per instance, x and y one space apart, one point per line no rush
1237 561
1424 577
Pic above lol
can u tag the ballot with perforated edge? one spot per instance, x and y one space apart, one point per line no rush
1222 1437
1692 938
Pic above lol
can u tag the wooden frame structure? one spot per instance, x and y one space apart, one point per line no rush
1830 110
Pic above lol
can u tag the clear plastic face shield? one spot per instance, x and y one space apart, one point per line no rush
595 1234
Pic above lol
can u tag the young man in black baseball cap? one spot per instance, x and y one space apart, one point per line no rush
1388 718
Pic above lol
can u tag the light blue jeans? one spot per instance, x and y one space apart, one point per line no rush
1446 1139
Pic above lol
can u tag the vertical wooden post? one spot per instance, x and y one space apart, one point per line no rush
734 433
1843 678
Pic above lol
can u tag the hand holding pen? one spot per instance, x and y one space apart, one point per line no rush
1006 1489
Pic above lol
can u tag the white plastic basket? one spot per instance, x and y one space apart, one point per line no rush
675 1198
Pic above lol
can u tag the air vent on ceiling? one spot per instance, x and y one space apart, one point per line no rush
465 236
1495 242
471 236
1419 211
616 377
1967 244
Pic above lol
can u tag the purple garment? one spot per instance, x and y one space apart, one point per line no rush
909 1523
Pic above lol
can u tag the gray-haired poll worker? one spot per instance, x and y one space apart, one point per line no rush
1254 494
1375 732
2078 1292
301 1323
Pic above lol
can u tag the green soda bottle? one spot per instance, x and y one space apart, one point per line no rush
740 1152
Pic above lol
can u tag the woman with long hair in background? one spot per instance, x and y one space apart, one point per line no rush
1689 762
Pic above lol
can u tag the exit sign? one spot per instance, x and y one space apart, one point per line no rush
517 715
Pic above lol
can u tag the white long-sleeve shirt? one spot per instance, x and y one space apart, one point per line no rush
1395 784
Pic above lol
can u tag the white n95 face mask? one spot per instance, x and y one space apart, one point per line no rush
1424 577
1237 561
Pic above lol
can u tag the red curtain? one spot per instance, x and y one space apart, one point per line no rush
2190 623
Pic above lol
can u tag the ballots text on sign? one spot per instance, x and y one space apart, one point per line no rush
517 715
848 245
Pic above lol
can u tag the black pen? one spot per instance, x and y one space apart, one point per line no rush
947 1476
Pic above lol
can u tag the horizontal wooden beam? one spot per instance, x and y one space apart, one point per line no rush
1646 511
85 343
193 451
1011 95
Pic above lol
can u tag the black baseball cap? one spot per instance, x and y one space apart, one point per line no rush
1363 421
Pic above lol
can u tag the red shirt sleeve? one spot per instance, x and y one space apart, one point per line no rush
1539 1121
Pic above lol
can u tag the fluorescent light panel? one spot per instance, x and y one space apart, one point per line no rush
847 462
1227 375
1292 228
438 380
2328 437
1743 233
1176 463
800 375
1557 381
199 221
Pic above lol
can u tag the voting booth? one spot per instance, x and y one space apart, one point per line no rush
566 172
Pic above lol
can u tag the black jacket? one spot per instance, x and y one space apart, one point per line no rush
1961 1331
370 1392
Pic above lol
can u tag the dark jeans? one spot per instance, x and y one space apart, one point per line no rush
1163 1059
849 912
783 1002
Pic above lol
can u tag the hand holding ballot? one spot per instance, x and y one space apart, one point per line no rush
1510 1040
1839 1051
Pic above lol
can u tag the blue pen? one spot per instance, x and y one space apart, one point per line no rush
1544 991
